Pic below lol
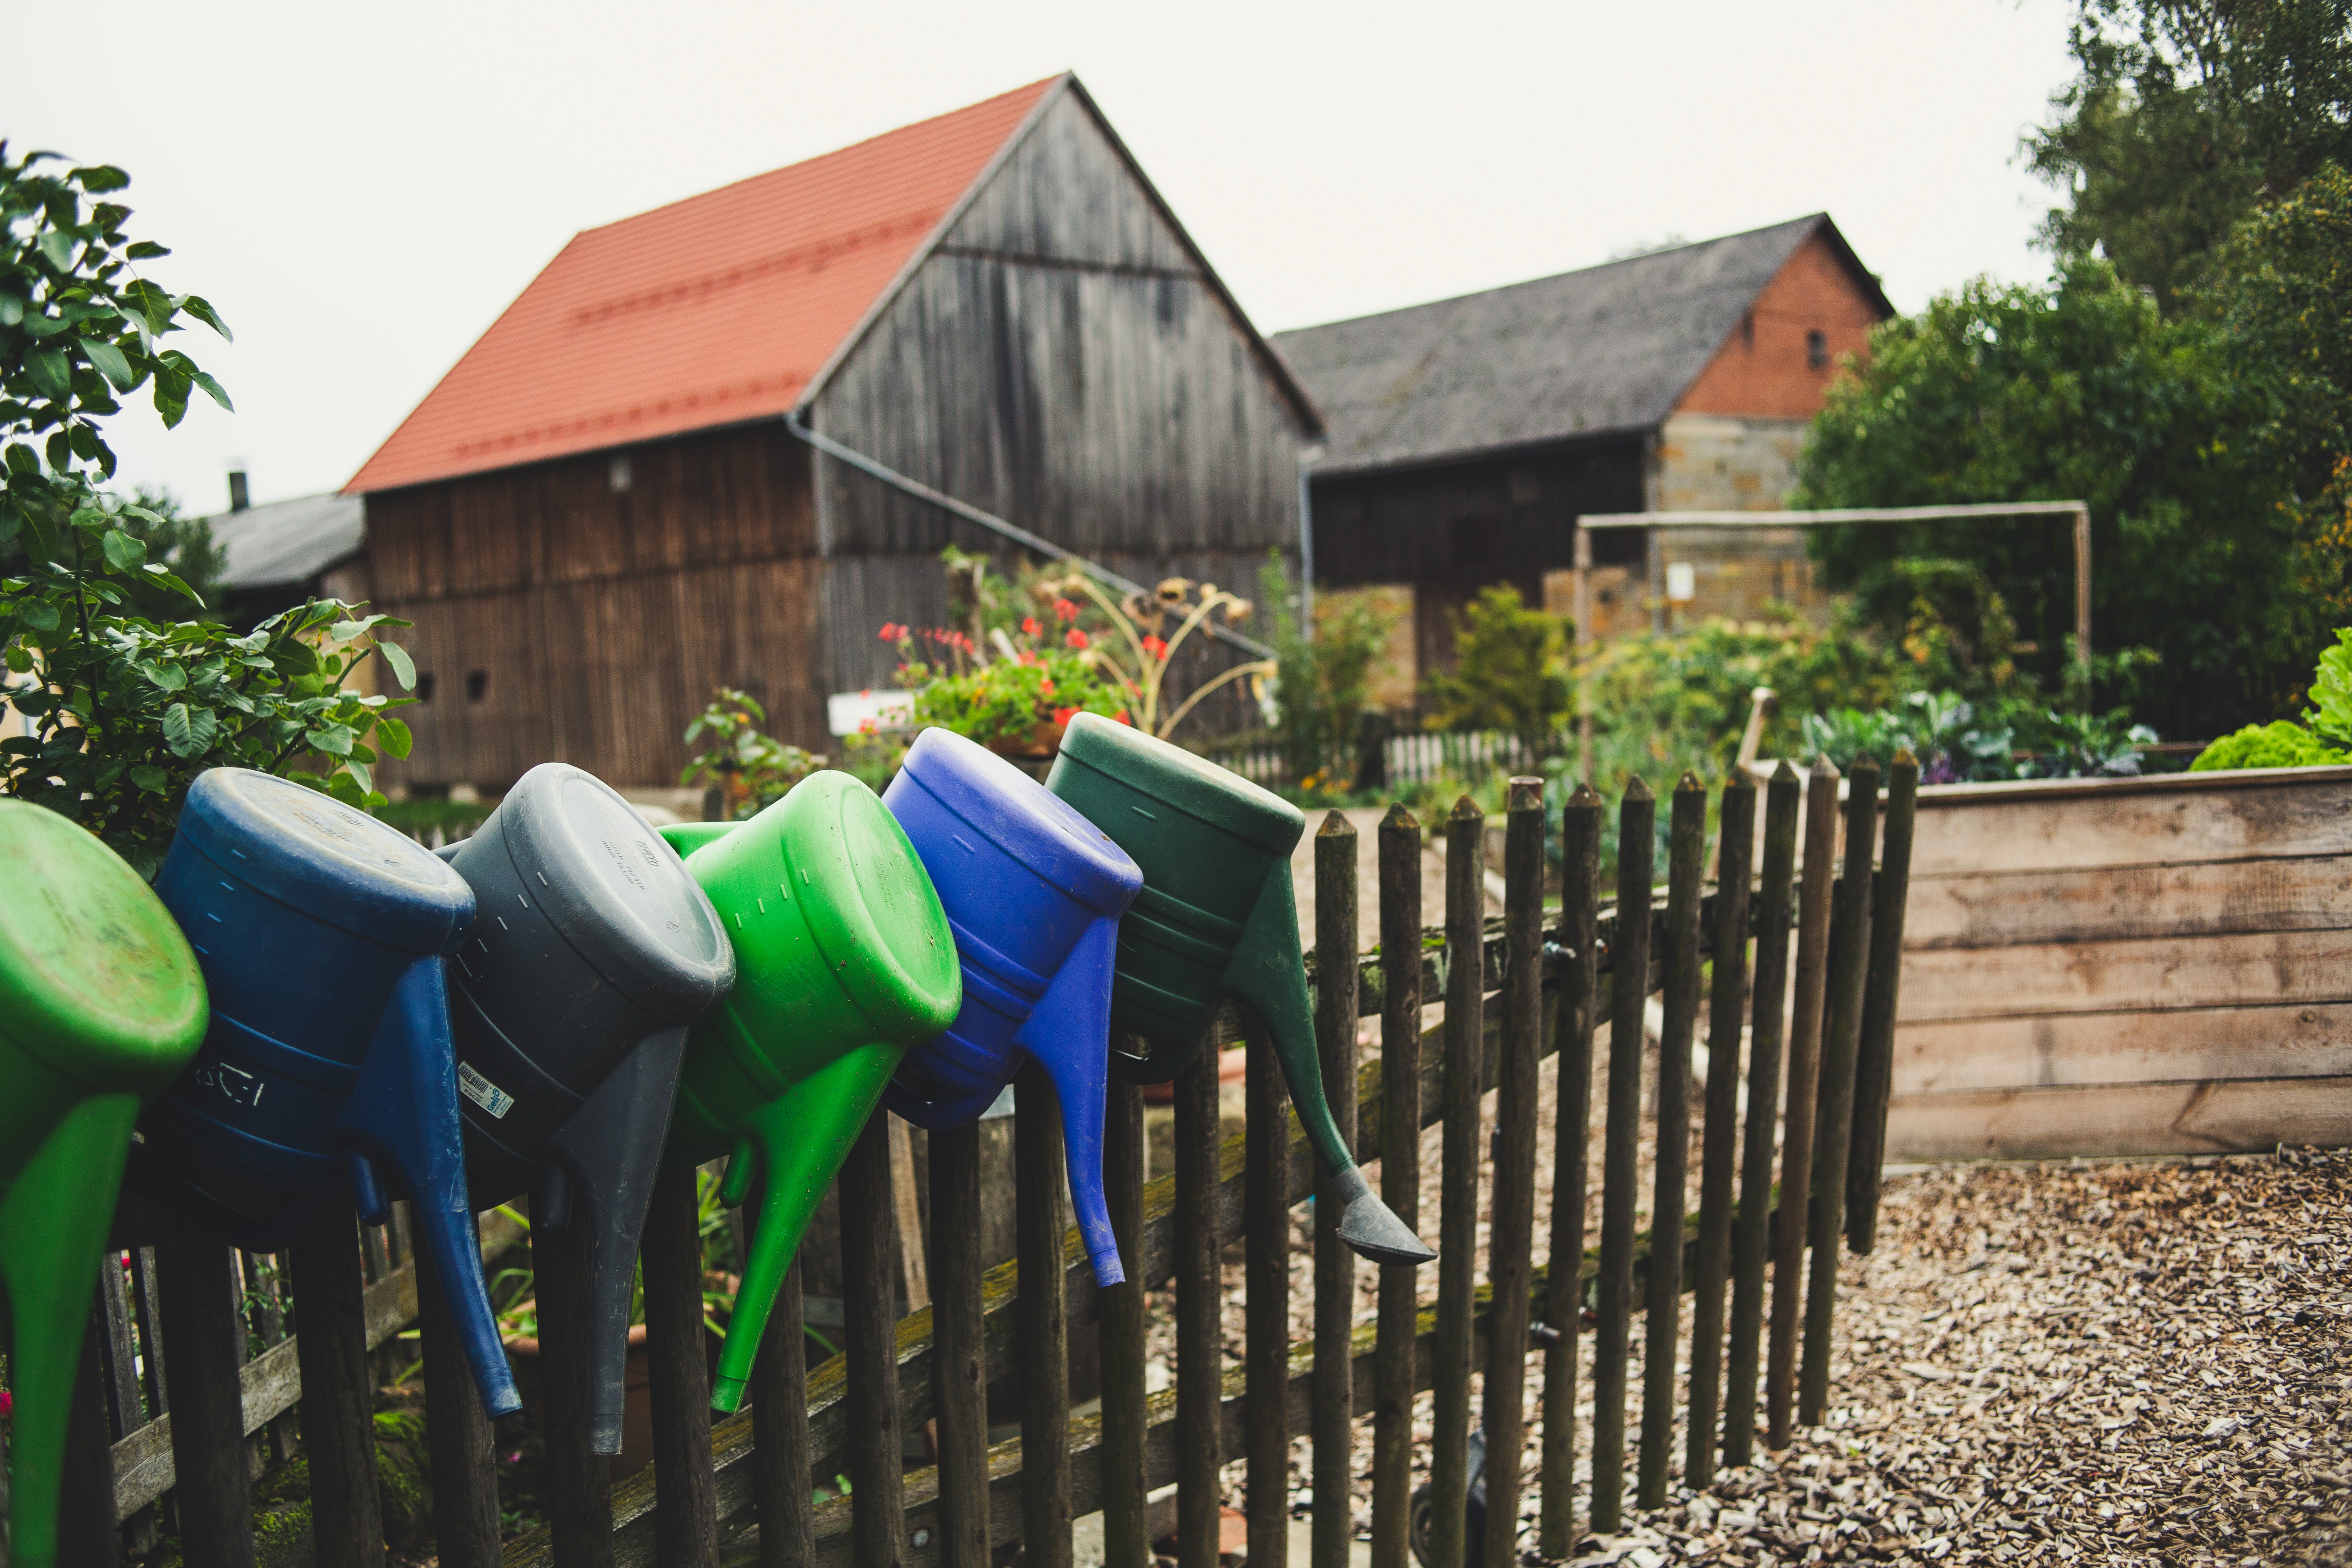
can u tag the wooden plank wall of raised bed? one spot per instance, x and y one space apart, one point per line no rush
2127 966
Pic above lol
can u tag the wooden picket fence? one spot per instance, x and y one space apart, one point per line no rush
1513 989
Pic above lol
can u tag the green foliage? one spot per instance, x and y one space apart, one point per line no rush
2282 743
1509 671
79 328
2330 717
2182 115
752 768
2082 391
1958 742
1664 704
1323 677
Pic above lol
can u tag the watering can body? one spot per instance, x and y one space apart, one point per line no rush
843 959
1218 915
101 1004
591 952
1033 892
327 1075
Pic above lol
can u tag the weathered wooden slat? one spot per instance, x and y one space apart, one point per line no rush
869 1342
2121 903
1628 989
679 1380
1044 1325
2237 1116
1578 1009
1457 1192
1126 1536
1334 1528
1816 894
1728 988
206 1335
1266 1277
578 1480
1399 1133
778 1462
338 1396
1686 863
1972 830
1833 1126
458 1435
960 1380
2127 976
1193 1233
1882 996
1510 1235
2080 1049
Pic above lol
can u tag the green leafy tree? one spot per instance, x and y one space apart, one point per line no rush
1323 677
127 707
2079 391
1509 672
2183 115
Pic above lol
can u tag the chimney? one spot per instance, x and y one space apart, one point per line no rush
238 496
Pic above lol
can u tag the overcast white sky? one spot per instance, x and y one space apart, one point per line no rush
360 192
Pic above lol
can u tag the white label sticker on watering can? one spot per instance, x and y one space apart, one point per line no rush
482 1091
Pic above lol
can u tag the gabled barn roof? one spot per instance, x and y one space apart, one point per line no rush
718 308
1610 348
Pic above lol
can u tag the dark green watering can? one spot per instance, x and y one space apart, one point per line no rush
842 961
1217 916
101 1004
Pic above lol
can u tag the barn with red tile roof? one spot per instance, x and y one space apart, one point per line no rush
606 509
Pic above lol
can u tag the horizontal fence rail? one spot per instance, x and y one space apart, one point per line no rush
214 1368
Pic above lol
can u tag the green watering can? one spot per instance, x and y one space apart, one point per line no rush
100 1005
1217 915
843 962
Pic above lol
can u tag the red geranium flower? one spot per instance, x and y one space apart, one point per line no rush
892 631
1064 715
1155 648
1046 687
1076 638
1067 610
1029 625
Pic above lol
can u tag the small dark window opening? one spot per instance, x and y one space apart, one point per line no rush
425 686
477 682
1817 348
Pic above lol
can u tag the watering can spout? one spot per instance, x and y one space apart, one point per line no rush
787 1153
52 1226
404 1111
1068 1035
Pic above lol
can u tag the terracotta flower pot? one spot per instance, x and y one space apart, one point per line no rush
1043 740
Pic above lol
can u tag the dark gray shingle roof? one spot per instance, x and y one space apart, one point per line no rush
1607 348
289 542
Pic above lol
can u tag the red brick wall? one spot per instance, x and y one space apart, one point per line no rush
1761 371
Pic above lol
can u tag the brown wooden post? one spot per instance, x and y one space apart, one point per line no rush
959 1357
1333 1419
1834 1128
1686 866
1126 1538
1804 1088
1457 1192
1579 990
868 1299
686 1488
780 1435
204 1335
147 1302
1392 1355
1199 1352
458 1438
1776 904
579 1481
2082 599
86 1530
1629 984
119 1360
1734 847
337 1397
1874 1074
1511 1224
1042 1323
1265 1276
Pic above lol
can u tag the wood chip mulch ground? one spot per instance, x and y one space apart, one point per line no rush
2113 1363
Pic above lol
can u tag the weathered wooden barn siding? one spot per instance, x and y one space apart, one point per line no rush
2127 966
600 615
1451 530
1061 359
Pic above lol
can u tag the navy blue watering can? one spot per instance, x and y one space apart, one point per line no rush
1033 892
591 952
328 1076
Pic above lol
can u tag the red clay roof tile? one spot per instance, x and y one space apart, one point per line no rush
711 311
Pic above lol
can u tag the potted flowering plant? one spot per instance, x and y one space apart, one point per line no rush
1015 693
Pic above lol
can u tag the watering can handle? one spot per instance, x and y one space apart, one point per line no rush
53 1228
791 1148
1070 1035
607 1157
404 1113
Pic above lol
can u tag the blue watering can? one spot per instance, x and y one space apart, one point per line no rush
1033 892
320 931
591 951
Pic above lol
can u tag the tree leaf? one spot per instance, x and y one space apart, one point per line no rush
212 389
109 362
123 551
51 373
151 779
168 677
335 739
58 245
189 731
402 665
202 309
97 179
358 770
394 736
146 250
